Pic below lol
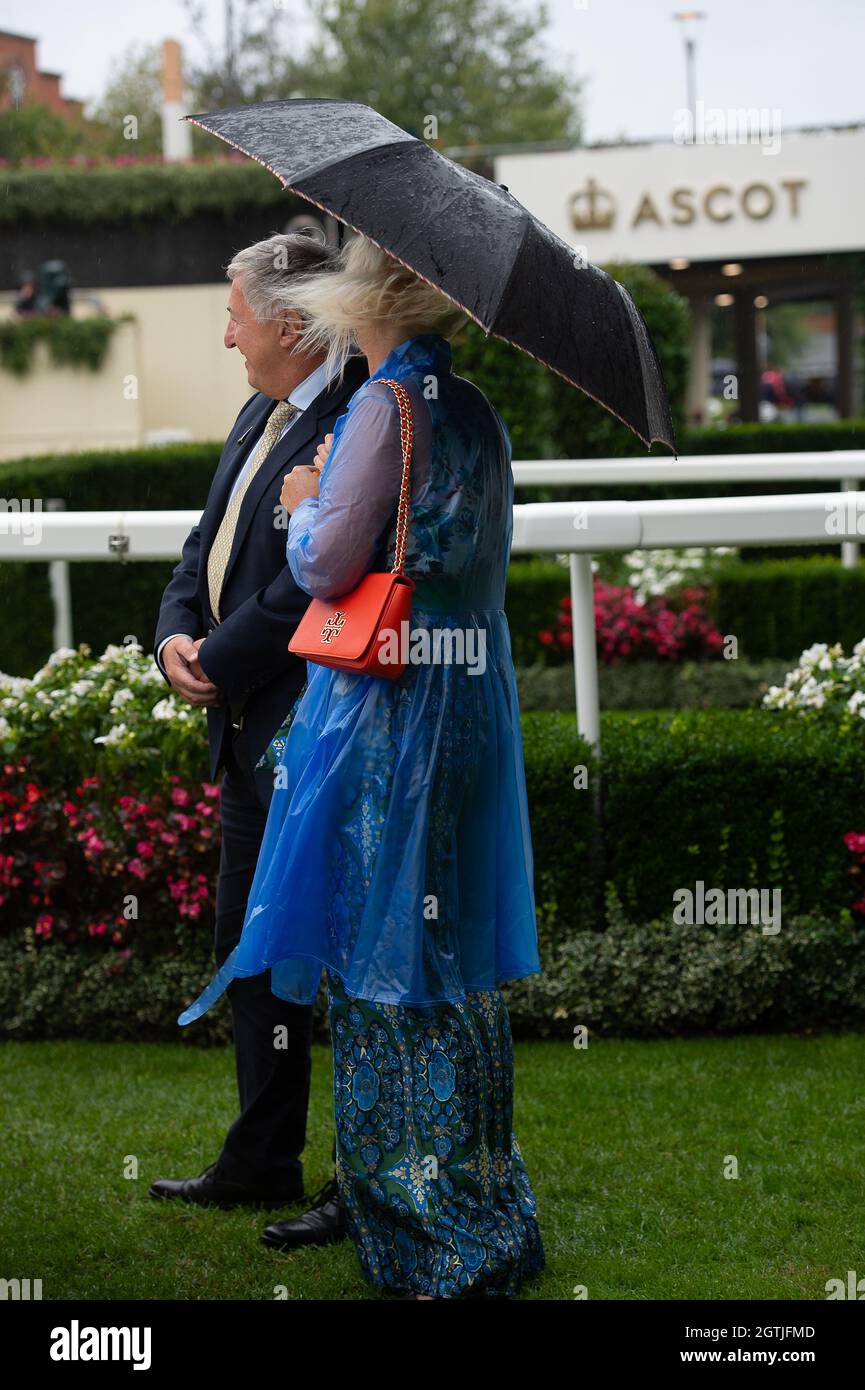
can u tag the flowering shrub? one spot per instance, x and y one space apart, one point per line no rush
856 845
77 870
825 683
676 628
653 573
80 716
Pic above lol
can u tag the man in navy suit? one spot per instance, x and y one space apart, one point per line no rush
225 622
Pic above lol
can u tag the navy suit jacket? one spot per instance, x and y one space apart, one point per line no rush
246 655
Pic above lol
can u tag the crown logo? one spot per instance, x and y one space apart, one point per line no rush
592 209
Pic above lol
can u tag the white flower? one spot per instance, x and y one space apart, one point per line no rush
164 709
14 685
114 736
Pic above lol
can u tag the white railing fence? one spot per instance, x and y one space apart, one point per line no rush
572 528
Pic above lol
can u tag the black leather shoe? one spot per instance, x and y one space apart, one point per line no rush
323 1224
210 1190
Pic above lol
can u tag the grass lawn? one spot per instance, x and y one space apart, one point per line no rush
626 1143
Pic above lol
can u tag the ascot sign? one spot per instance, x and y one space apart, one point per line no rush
702 201
593 209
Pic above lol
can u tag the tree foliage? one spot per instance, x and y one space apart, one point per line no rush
478 66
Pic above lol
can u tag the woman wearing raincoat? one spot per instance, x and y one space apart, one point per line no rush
397 855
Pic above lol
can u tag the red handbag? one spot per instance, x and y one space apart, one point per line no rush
350 632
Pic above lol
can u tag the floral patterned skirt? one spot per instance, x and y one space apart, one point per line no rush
434 1187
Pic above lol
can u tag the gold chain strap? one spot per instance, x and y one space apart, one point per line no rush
406 432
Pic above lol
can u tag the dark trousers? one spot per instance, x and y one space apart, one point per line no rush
271 1037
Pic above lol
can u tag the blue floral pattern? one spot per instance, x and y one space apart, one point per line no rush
431 1176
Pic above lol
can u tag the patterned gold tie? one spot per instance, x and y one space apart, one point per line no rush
220 551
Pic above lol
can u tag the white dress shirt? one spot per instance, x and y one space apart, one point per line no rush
302 396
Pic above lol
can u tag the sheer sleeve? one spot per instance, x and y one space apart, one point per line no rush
333 539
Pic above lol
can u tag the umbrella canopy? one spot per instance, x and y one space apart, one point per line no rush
466 236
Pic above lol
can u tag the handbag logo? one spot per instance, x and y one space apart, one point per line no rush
334 625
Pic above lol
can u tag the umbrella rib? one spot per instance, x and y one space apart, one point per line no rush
511 273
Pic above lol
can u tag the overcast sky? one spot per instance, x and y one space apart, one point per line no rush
800 58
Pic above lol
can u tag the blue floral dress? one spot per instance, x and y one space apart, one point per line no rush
397 854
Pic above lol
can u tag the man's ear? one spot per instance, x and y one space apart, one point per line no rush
290 328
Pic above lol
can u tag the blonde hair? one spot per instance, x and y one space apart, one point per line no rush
367 286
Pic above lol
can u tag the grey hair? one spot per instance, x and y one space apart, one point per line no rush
270 267
367 286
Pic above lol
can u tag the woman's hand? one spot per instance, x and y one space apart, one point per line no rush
322 452
303 480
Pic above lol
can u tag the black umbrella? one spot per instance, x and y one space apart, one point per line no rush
466 236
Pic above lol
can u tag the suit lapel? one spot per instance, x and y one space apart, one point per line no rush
283 455
236 449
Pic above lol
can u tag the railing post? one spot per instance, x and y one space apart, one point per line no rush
585 649
61 594
850 549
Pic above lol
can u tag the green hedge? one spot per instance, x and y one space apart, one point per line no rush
54 992
775 438
739 798
535 589
667 980
222 186
777 608
628 981
656 685
735 799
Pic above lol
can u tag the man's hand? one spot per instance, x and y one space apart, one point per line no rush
301 482
180 659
